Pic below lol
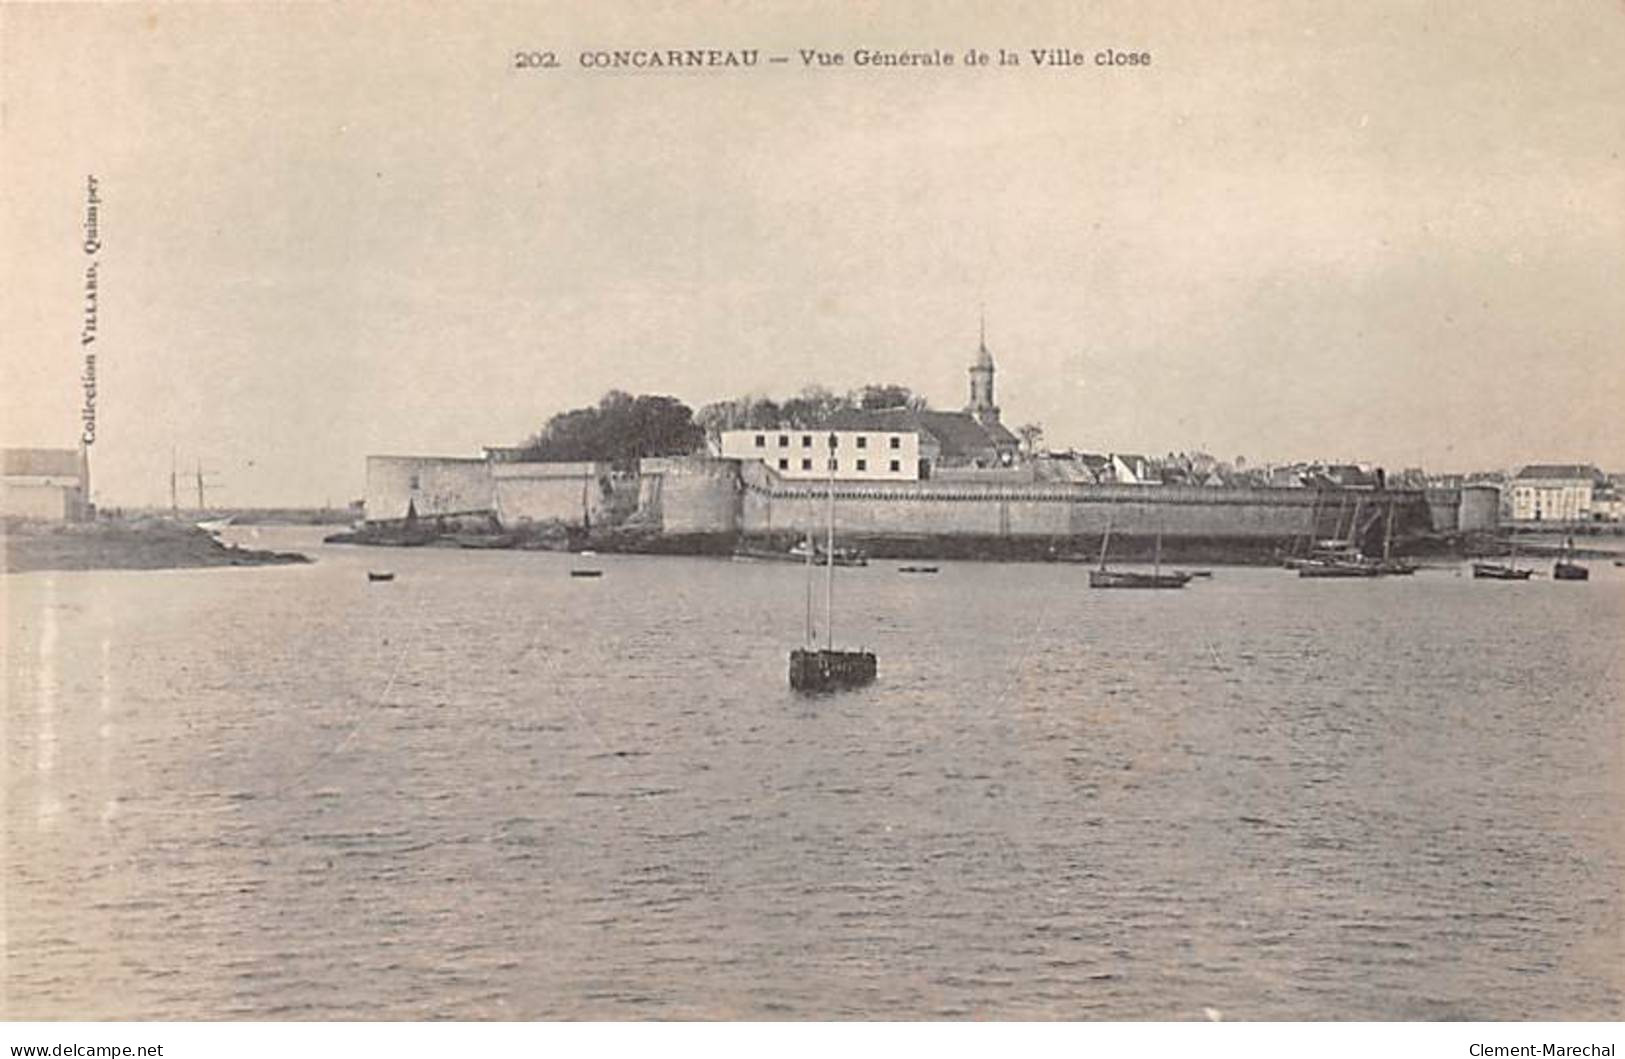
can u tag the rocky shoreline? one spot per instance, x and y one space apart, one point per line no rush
145 544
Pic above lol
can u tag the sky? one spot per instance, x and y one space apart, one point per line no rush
1393 233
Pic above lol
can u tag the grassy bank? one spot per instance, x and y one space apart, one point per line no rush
143 544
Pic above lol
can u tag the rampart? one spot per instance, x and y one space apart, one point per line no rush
430 486
1065 514
674 503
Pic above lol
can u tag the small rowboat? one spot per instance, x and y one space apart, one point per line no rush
586 573
374 575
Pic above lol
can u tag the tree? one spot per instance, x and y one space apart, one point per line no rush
738 413
1031 435
883 395
622 429
812 407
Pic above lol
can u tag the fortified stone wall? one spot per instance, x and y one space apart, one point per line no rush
571 493
704 496
436 485
1480 509
1444 508
692 494
979 509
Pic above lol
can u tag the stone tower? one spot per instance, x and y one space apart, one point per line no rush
981 384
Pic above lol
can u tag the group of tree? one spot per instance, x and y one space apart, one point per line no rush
620 428
813 407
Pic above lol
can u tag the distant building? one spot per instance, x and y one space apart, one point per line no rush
1557 492
45 484
1127 468
1088 468
890 443
1327 476
861 454
946 439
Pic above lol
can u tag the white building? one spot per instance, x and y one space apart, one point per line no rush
862 455
44 484
1556 492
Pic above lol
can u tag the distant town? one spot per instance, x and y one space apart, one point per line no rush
880 435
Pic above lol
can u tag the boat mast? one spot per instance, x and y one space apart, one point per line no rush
174 499
829 558
812 638
1388 534
1106 540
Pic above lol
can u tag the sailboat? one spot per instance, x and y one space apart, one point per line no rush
1507 571
1101 577
1389 564
814 668
1566 569
1341 558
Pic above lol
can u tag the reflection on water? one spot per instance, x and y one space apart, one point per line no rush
489 790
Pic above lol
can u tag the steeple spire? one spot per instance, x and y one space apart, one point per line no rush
981 378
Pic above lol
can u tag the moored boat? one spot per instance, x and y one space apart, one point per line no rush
1566 569
828 668
1507 571
1500 572
1338 568
1136 579
799 553
1101 577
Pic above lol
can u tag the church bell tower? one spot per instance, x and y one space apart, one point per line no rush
981 384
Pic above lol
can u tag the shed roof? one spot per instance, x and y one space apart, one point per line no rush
40 463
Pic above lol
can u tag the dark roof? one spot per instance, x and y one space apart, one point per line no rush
958 433
900 420
41 463
1561 470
